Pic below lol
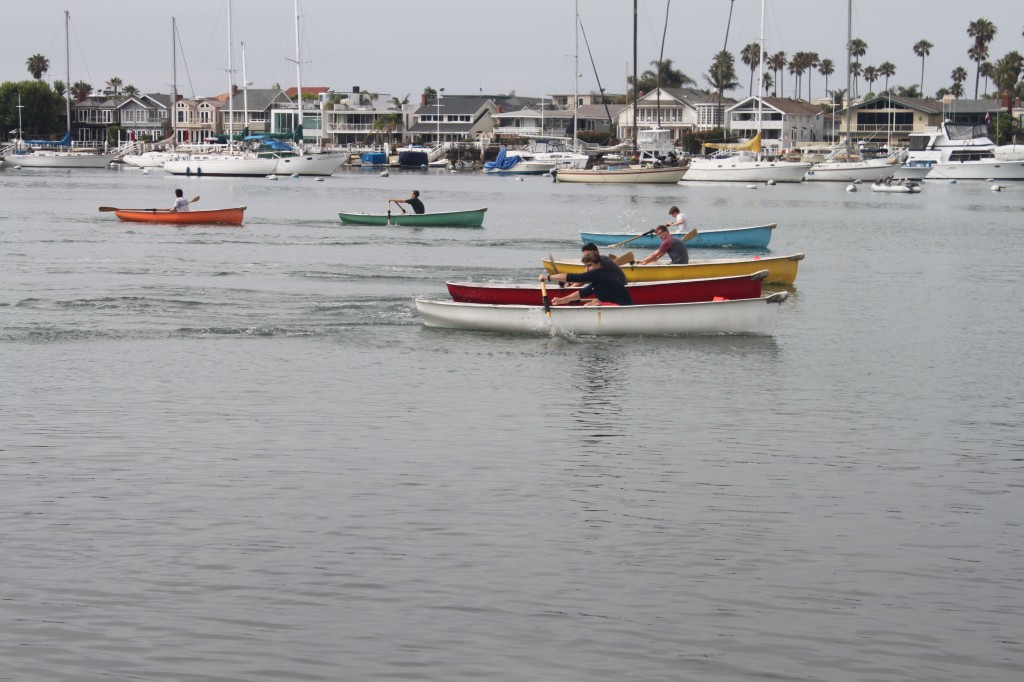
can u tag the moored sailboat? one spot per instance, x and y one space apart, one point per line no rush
60 154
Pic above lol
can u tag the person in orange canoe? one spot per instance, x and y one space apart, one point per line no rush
180 202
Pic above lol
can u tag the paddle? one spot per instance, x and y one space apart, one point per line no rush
545 301
389 212
686 237
555 268
624 258
110 209
633 239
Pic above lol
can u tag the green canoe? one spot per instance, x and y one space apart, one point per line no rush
473 218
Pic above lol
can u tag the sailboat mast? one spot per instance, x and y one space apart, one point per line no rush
174 82
245 92
760 82
849 57
231 82
636 83
67 70
298 70
576 82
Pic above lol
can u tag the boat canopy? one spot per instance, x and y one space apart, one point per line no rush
502 162
751 145
965 131
63 142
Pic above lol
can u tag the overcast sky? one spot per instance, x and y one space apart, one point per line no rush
399 47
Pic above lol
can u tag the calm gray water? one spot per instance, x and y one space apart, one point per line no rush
236 454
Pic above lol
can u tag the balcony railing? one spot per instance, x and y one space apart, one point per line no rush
883 128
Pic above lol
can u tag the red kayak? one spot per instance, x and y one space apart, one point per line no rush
643 293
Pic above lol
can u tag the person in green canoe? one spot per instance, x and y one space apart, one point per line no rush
413 201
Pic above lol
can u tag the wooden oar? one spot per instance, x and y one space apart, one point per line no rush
554 267
110 209
544 299
389 212
633 239
624 258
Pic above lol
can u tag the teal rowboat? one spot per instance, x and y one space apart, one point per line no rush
474 218
756 237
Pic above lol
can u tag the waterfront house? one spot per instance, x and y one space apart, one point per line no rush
145 117
451 118
784 124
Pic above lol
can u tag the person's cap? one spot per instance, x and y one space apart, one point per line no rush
589 246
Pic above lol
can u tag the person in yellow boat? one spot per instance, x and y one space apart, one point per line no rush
674 246
607 290
180 202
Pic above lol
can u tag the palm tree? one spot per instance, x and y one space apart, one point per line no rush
910 92
751 56
959 75
38 65
1007 72
813 60
114 84
130 91
81 90
663 75
797 65
777 62
768 81
826 68
978 53
722 74
983 31
987 70
855 70
885 70
59 87
922 49
870 76
858 48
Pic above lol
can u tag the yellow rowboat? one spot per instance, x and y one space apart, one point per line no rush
781 269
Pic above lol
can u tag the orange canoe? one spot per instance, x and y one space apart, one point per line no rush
220 216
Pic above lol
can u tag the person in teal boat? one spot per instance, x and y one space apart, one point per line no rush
413 201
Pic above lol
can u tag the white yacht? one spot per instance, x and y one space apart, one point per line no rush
955 151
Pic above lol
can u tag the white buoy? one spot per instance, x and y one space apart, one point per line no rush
271 177
751 186
384 174
857 181
770 181
519 179
319 179
294 175
17 168
997 188
952 182
145 171
851 188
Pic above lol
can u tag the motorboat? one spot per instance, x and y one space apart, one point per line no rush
957 151
517 162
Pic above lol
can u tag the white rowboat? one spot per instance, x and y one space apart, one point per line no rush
744 316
